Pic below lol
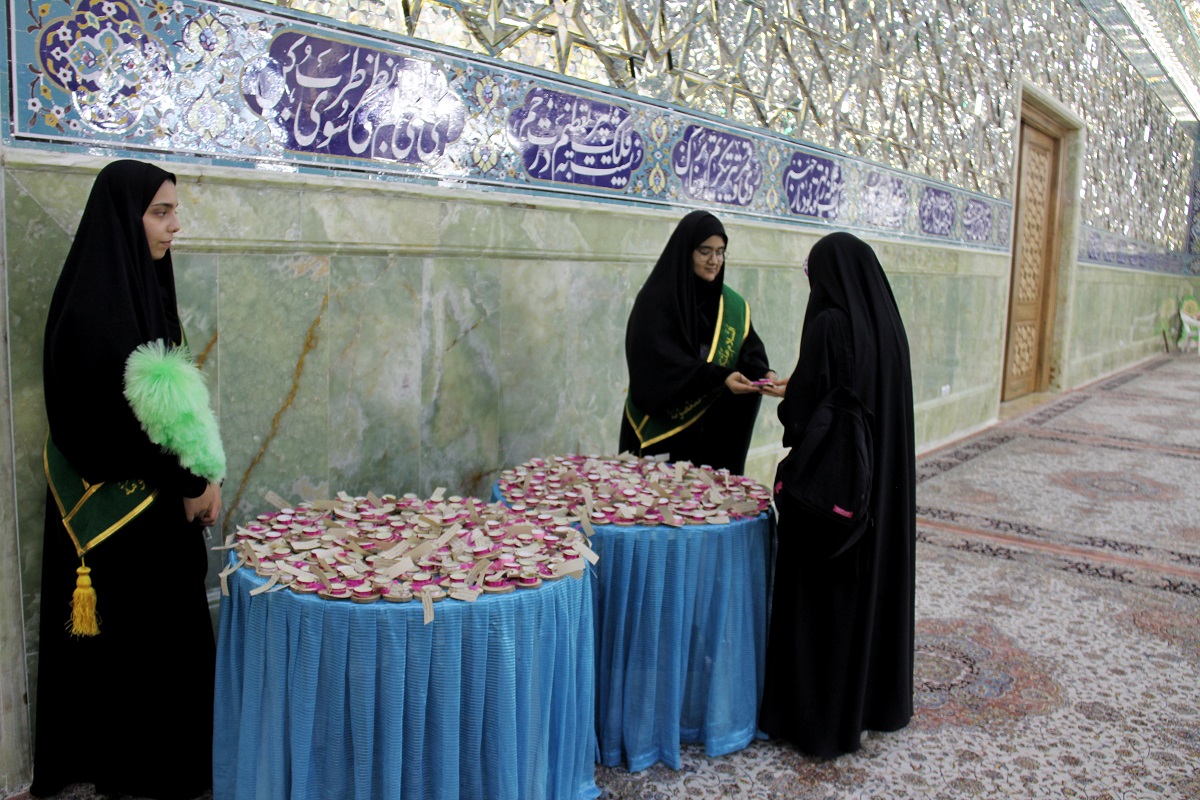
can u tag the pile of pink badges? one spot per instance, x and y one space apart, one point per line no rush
400 549
628 490
405 548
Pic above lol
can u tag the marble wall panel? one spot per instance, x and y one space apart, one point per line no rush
258 214
600 300
274 381
373 338
953 304
461 347
14 707
196 290
36 243
904 291
982 310
325 214
1119 317
558 332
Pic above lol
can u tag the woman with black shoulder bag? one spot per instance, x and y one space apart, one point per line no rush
840 646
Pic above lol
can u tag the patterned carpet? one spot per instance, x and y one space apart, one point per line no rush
1058 618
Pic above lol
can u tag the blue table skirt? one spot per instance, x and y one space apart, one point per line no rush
681 633
335 700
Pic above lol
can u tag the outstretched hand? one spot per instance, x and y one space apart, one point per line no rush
205 508
740 384
777 387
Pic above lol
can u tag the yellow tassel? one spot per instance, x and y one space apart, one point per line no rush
83 605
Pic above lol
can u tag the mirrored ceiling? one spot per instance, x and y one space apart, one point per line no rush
1162 40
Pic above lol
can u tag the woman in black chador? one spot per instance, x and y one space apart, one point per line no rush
693 356
840 646
133 461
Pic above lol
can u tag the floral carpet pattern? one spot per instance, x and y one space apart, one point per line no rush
1058 618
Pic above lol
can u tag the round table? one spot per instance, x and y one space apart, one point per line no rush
681 633
321 698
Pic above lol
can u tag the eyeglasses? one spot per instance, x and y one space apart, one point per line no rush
708 252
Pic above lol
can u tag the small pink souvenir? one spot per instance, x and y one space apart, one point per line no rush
365 594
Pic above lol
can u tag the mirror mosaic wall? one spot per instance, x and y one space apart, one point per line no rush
923 86
889 117
1161 40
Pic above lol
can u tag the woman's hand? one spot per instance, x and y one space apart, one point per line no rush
777 387
205 508
740 384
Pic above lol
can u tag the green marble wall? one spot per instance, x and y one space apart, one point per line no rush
1119 319
15 749
367 336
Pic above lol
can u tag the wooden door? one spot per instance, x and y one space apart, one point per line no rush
1034 269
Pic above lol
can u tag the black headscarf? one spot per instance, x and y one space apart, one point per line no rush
111 297
671 325
845 274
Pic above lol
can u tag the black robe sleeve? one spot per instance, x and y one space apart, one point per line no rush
752 360
679 376
825 362
663 370
96 429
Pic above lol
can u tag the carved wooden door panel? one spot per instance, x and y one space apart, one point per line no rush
1032 268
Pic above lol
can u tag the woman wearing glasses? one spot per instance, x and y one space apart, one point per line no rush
697 369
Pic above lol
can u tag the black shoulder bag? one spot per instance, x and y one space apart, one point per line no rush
828 473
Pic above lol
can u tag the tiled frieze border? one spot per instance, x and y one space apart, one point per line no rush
235 84
1112 250
238 84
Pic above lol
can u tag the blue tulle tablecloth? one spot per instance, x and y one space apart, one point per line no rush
681 633
331 700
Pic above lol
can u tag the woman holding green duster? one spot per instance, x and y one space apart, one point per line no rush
134 463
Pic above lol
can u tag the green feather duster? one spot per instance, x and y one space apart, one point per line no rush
169 398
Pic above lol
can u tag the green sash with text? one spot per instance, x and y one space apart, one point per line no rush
733 323
91 512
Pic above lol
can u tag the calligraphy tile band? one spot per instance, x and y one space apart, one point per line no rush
221 81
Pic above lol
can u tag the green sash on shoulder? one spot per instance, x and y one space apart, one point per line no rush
733 323
91 512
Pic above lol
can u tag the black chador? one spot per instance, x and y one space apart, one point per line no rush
684 337
127 708
840 647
